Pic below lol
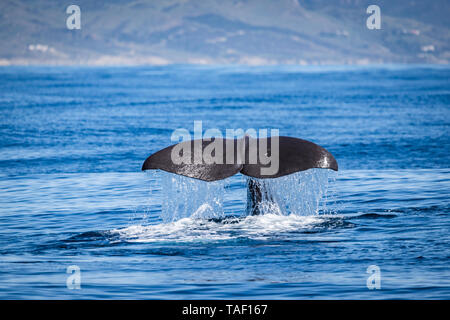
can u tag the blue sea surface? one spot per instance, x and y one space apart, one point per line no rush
73 139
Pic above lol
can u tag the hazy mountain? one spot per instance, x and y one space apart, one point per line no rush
240 31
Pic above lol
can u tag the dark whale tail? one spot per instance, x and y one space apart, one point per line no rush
216 159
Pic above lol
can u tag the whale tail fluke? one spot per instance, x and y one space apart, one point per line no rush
217 159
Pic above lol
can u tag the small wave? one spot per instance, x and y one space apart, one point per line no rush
89 236
374 216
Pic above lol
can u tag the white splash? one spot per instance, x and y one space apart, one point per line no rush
260 227
194 210
303 193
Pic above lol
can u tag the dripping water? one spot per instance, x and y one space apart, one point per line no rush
304 193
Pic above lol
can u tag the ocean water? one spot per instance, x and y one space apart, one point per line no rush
72 142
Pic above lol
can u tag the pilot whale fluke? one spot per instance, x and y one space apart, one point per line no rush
216 158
